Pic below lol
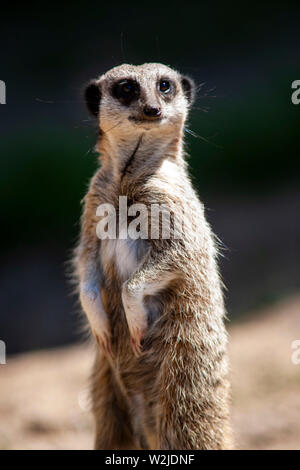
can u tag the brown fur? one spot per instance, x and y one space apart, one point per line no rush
172 391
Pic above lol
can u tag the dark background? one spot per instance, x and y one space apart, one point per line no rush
246 171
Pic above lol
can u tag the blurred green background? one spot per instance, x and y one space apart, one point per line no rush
245 162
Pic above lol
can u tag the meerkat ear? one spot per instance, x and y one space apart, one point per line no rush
92 97
189 88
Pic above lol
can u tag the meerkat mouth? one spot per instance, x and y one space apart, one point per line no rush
138 120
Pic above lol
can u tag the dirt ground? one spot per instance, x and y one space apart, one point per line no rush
44 399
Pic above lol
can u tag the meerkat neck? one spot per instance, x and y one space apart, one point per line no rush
140 155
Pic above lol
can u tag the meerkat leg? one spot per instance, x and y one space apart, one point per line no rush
90 271
178 432
136 317
111 411
92 304
192 401
154 275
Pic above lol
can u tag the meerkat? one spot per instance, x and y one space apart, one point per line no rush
154 306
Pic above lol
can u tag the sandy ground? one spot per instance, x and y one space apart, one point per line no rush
44 399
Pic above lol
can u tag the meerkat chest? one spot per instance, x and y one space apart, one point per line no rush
126 255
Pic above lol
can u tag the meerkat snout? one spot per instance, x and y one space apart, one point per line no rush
152 112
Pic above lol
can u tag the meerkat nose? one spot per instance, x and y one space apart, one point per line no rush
152 112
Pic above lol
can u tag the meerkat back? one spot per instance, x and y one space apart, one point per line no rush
147 273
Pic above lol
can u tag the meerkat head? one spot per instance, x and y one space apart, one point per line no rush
150 97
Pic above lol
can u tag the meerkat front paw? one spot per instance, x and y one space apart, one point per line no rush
136 317
92 304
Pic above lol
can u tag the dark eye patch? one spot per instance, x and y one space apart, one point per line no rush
126 91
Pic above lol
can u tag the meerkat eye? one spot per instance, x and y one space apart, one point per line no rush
126 87
126 91
164 86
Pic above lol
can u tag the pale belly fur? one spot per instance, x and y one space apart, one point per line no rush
126 255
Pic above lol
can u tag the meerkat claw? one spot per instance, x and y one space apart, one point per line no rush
104 344
136 339
135 347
